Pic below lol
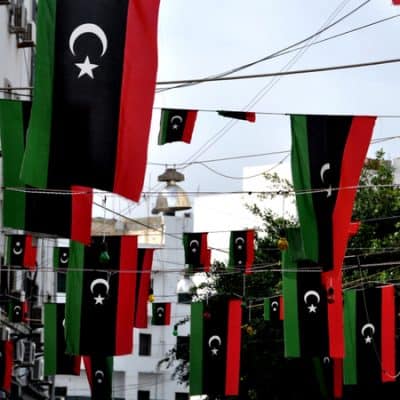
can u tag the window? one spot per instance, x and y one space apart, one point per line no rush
144 344
181 396
143 395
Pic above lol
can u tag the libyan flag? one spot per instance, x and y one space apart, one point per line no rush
328 153
142 286
305 322
56 361
95 78
197 255
60 264
99 371
215 334
241 250
370 336
6 364
161 314
273 309
99 307
176 126
243 115
21 251
67 215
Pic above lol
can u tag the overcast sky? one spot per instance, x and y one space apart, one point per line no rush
197 39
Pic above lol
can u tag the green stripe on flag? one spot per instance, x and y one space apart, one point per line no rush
12 144
289 289
196 349
162 136
267 311
74 297
350 360
302 181
34 169
50 339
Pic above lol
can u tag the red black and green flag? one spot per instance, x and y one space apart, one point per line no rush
95 77
6 364
305 319
329 373
273 309
161 314
370 336
99 371
176 125
197 255
327 156
66 214
17 308
100 305
243 115
142 286
60 264
20 251
215 347
241 250
56 361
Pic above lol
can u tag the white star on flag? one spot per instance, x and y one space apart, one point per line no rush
86 68
99 299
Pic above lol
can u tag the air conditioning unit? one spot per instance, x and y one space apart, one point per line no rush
25 38
17 22
29 354
5 333
19 351
38 369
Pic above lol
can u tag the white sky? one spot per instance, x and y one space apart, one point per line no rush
200 38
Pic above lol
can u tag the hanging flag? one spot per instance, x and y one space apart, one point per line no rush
99 308
305 320
215 347
142 286
161 314
241 250
20 251
60 264
328 153
95 77
197 255
17 308
6 364
176 125
329 373
273 309
246 116
99 371
182 348
56 361
370 336
67 215
396 2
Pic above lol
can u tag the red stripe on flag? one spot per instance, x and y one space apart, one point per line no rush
353 160
204 254
81 214
87 361
396 2
388 336
249 251
126 284
281 308
143 294
233 348
353 228
251 116
189 126
337 378
137 96
332 280
29 254
167 313
8 364
76 367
